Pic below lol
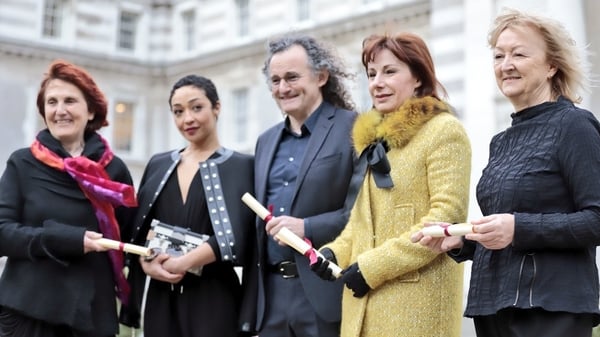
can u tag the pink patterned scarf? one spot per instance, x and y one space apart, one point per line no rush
103 193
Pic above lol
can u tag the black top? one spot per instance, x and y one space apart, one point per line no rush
193 215
545 170
171 209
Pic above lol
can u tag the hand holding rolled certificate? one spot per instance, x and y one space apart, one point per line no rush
287 236
442 230
124 247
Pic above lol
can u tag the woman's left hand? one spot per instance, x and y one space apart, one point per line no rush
155 269
353 279
494 231
176 265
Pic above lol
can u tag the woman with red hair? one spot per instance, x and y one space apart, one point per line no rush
418 171
57 197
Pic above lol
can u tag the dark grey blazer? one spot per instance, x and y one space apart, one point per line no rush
322 185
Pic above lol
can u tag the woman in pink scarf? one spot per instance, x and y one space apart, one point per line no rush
56 198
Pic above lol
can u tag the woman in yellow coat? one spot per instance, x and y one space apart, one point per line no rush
395 287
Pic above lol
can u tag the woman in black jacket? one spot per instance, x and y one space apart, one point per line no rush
56 198
534 252
198 188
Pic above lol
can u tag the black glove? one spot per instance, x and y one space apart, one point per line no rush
354 280
321 266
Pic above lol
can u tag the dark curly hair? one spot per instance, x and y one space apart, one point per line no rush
320 58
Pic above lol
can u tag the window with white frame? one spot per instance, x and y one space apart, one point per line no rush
127 30
303 9
240 114
52 18
189 29
123 126
243 17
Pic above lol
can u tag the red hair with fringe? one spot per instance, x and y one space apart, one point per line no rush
95 99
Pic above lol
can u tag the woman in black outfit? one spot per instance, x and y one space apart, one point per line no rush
56 198
198 187
534 252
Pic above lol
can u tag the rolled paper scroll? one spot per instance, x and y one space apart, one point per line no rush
448 230
254 205
287 236
125 247
305 249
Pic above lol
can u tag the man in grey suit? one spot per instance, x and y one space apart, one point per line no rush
303 168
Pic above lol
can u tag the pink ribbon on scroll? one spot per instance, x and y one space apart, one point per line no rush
311 254
445 227
270 215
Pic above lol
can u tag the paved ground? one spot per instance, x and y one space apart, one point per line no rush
467 328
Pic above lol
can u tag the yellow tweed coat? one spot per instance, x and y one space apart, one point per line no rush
415 292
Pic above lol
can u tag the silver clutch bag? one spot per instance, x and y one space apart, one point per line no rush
173 240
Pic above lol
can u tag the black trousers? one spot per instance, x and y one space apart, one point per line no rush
14 324
513 322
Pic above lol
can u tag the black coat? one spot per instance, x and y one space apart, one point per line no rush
43 217
236 175
544 169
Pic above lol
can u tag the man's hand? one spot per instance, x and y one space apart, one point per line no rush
295 225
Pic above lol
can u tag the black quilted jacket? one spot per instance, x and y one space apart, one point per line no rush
544 169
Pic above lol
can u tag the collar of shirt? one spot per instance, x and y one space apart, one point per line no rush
308 126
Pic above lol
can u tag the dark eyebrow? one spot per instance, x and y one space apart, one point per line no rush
286 74
391 65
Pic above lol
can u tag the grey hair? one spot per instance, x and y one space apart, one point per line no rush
320 58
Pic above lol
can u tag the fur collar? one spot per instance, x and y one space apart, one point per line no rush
398 127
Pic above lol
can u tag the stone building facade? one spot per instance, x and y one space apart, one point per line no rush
136 50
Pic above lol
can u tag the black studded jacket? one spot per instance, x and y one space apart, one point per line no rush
236 178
